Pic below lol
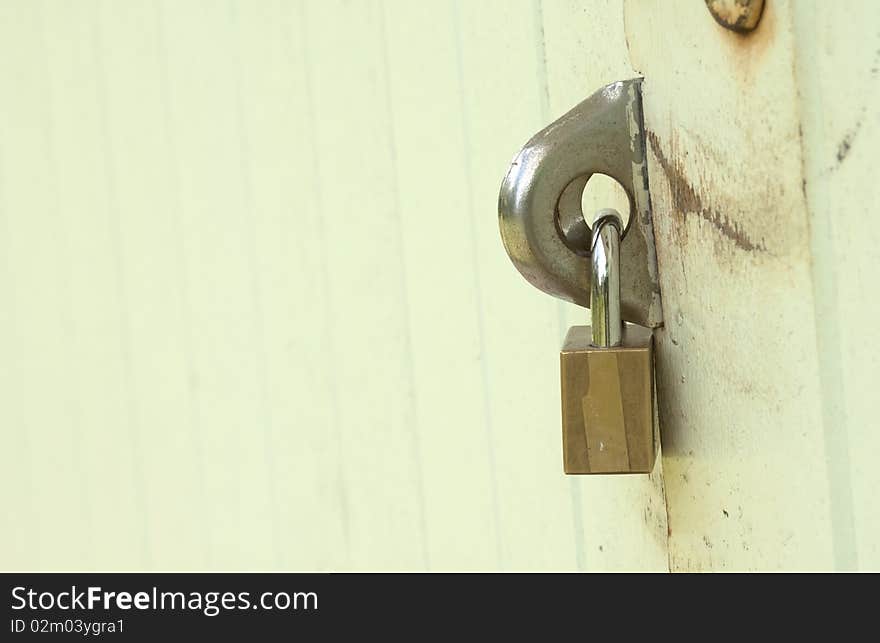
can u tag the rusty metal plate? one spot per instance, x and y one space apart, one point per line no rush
540 197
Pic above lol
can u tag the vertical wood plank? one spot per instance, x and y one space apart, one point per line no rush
278 119
85 467
502 86
837 56
441 283
738 374
372 366
624 517
45 433
215 230
146 206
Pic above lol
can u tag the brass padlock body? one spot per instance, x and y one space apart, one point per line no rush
608 403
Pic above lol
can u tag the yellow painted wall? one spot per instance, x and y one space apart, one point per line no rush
254 307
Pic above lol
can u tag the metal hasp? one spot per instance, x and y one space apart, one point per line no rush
539 207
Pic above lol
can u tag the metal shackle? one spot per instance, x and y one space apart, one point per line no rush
607 325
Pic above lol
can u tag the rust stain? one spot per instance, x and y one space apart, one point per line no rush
745 55
687 200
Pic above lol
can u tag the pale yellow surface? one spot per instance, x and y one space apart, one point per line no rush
764 194
254 307
255 312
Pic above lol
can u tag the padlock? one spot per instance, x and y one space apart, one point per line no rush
608 410
607 372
